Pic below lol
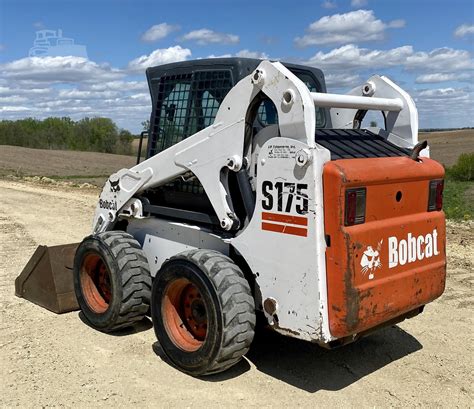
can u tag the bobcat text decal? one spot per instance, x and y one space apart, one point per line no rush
412 249
400 252
109 205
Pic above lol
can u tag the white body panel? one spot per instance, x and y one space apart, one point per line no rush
290 268
162 239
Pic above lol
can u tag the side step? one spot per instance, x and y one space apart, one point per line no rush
47 279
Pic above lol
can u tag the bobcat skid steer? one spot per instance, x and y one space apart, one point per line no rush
262 194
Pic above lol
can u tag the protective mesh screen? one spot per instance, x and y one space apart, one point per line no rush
186 104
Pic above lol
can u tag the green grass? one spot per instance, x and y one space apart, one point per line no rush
458 195
463 169
456 203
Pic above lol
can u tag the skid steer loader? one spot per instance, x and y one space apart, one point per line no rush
263 194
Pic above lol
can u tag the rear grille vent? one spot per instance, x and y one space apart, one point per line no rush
357 143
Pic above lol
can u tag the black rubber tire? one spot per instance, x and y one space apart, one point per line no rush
229 305
130 280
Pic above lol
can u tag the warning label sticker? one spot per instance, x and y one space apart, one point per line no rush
281 151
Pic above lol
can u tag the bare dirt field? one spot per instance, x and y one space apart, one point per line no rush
446 146
50 360
91 167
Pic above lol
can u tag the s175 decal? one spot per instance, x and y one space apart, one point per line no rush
285 196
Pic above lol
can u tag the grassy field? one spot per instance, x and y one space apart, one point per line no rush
458 199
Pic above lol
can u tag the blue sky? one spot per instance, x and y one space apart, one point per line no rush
425 46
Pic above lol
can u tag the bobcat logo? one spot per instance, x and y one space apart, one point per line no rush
114 185
370 260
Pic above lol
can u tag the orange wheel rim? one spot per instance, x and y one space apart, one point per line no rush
95 283
184 315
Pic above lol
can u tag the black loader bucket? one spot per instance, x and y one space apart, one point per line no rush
47 279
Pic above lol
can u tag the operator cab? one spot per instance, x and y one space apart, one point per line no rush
185 99
186 96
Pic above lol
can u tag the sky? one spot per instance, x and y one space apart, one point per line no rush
425 46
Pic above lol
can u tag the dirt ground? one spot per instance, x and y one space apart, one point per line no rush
446 146
91 167
50 360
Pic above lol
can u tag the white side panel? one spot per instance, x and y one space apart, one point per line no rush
289 265
162 239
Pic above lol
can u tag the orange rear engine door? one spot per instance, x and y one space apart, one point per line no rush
393 262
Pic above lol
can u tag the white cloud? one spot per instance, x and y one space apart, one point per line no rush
355 26
158 57
86 95
442 107
443 77
74 87
142 97
396 23
39 25
205 36
463 30
327 4
219 56
158 32
342 80
125 106
119 86
12 99
7 90
242 54
251 54
451 93
352 57
58 70
445 107
11 109
359 3
440 60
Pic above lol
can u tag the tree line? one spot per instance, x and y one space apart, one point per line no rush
88 134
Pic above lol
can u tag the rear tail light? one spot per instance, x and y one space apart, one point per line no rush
355 206
435 200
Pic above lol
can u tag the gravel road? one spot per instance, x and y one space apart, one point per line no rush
50 360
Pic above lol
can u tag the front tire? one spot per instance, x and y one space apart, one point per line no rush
112 280
203 312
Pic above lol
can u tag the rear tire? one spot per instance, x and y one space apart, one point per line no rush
203 312
112 280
